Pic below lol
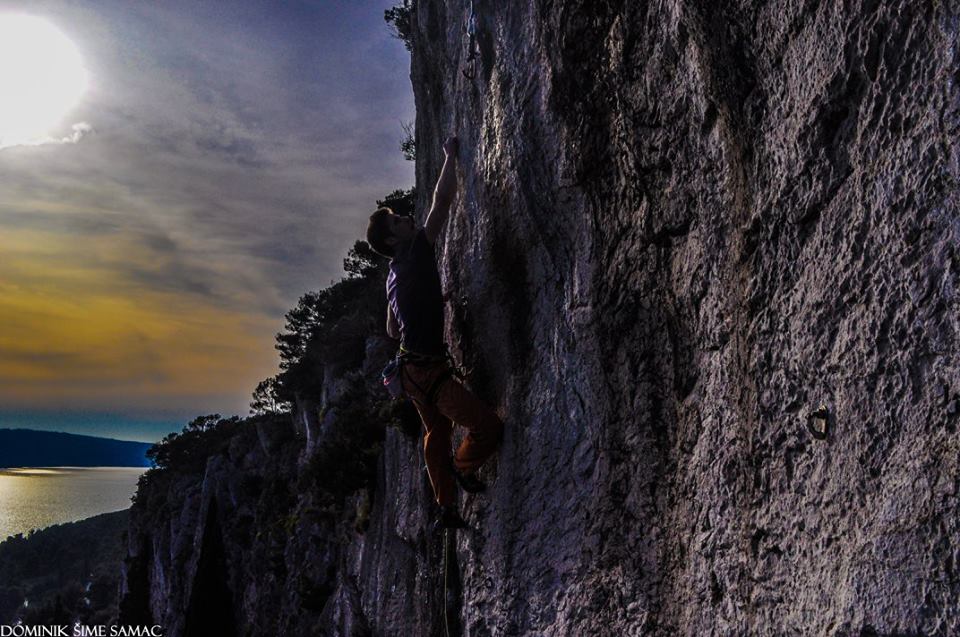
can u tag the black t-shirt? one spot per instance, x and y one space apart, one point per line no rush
414 294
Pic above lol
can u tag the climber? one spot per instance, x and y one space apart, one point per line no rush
415 316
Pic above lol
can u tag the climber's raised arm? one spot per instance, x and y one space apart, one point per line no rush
444 193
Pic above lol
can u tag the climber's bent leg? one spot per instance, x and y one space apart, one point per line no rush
437 431
484 427
436 451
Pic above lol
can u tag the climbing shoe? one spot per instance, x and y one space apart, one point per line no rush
469 482
449 519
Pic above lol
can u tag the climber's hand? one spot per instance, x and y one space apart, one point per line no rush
444 193
451 145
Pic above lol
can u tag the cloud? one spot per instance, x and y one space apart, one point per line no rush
79 131
237 154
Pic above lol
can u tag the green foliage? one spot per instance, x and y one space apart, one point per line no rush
267 399
142 482
328 329
289 523
362 262
62 567
408 146
401 415
364 505
347 461
329 326
402 202
188 450
399 18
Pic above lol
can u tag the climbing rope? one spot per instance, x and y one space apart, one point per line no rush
449 595
470 70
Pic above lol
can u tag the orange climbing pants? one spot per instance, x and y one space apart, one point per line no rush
452 403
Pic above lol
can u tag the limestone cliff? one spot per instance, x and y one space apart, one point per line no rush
682 228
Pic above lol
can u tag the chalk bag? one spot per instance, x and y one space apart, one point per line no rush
391 378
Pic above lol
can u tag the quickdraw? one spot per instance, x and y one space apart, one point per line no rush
470 70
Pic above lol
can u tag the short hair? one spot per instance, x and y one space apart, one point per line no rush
378 232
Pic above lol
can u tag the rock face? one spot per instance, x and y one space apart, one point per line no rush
682 228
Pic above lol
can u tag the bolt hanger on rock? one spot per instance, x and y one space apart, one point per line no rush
818 422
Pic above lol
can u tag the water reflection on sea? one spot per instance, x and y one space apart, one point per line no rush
38 497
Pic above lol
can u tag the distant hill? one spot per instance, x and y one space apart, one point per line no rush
29 448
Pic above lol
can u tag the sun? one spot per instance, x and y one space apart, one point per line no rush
42 78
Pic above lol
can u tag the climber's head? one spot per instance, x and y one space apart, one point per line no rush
387 229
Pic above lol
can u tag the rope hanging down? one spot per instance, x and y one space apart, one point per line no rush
451 586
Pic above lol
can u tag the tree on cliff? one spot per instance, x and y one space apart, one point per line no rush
401 26
327 330
190 448
267 400
408 145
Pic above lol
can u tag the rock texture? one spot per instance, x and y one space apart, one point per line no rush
681 228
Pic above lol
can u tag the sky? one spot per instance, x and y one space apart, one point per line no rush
220 163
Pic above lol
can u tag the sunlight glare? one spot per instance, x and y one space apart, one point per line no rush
41 79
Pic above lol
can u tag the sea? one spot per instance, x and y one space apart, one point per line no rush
36 498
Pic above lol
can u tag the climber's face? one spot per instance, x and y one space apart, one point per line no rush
401 228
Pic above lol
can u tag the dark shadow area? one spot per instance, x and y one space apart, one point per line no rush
211 602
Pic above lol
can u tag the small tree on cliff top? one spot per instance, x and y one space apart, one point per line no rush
267 400
401 24
330 326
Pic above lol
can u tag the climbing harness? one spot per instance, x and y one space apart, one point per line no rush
392 374
817 422
470 70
